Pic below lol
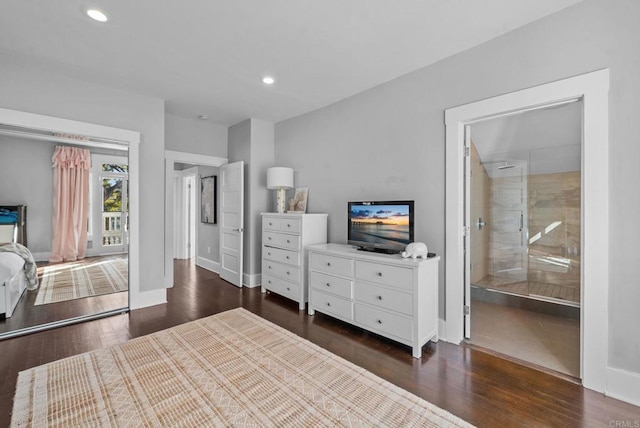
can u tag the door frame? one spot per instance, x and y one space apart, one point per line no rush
593 89
171 157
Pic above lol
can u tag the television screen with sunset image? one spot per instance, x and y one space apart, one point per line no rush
381 226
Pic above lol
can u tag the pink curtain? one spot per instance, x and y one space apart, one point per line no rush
70 203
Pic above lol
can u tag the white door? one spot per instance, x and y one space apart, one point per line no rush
231 221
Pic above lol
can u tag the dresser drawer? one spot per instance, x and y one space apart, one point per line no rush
282 256
384 274
282 287
385 322
331 305
331 264
290 225
271 223
290 273
331 284
384 297
291 242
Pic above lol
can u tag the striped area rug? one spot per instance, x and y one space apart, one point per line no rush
230 369
86 278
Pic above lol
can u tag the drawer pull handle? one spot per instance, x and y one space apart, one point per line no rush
288 289
379 321
328 285
269 253
328 264
328 304
269 238
288 273
270 224
288 242
379 273
379 297
287 257
288 225
269 281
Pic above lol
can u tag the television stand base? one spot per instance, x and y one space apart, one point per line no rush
378 250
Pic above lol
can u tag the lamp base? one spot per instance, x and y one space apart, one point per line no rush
280 199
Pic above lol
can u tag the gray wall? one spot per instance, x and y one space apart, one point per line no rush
208 234
195 136
388 142
26 177
33 89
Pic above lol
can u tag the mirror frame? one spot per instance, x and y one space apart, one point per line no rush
38 122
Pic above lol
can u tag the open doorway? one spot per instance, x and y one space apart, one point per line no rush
525 237
185 240
192 238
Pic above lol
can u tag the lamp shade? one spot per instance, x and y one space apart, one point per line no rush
279 178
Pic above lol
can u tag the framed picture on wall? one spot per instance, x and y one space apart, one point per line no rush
208 199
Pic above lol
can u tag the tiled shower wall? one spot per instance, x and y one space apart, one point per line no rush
554 213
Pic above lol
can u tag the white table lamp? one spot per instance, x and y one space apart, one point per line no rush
280 179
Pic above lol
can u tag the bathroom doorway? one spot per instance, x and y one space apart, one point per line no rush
524 249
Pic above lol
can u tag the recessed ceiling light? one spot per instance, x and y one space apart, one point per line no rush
97 15
268 80
203 117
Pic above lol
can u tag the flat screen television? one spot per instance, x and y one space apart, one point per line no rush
383 226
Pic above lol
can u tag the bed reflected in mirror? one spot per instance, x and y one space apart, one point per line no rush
64 232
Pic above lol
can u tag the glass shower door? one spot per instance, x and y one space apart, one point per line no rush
508 218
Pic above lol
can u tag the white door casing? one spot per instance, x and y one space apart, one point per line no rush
593 89
231 222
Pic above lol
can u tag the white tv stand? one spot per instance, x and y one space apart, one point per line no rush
394 297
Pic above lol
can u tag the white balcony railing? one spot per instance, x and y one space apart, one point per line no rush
112 226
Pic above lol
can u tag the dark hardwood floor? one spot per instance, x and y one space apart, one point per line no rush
479 387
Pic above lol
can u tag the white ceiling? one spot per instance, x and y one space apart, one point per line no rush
208 56
545 141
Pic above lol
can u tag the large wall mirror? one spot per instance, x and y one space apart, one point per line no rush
65 205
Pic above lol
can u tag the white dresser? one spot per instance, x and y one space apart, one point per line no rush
284 261
386 294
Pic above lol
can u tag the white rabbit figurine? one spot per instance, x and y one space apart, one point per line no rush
415 250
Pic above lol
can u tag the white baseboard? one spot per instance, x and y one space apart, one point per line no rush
145 299
251 280
208 264
623 385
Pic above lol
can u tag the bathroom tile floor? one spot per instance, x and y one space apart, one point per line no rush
545 340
